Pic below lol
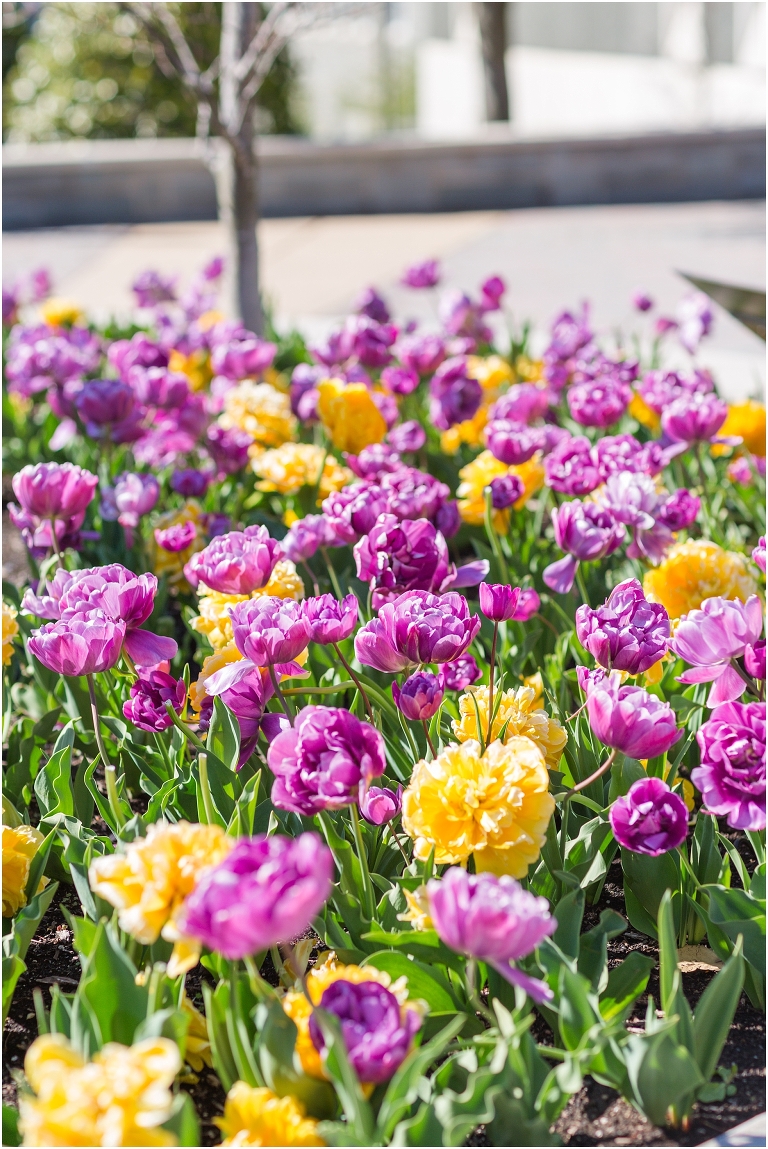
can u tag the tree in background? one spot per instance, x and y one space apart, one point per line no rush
226 92
91 71
493 41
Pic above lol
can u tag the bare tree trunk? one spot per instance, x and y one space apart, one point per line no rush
238 28
245 217
491 17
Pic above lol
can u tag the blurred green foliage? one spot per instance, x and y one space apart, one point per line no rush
89 71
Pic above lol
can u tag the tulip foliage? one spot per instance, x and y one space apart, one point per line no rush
352 674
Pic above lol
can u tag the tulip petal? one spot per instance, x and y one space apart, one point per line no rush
728 688
468 575
560 576
147 649
697 674
228 676
532 986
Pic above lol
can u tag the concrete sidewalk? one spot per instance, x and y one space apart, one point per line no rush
551 258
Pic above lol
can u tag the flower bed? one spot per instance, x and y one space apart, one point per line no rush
385 730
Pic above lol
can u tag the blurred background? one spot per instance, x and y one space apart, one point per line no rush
581 150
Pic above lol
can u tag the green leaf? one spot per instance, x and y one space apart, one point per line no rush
569 913
403 1088
425 945
183 1122
661 1074
216 1008
38 864
625 984
53 785
108 985
13 968
593 947
276 1045
424 984
11 1135
736 912
577 1012
646 879
667 952
356 1108
715 1011
27 920
224 735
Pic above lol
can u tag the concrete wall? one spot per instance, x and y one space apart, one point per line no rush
142 181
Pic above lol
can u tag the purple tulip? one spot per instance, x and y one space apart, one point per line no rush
268 632
421 353
754 659
424 274
650 819
586 533
642 301
505 491
331 621
370 303
399 380
158 387
600 402
228 448
416 628
570 467
523 403
407 437
375 461
132 496
352 512
491 291
236 563
492 919
247 698
54 490
463 318
104 402
138 350
454 397
460 673
176 538
324 760
420 696
379 805
306 536
512 443
413 494
146 706
731 776
448 519
694 418
124 597
376 1034
367 342
627 632
709 638
680 510
152 288
84 643
694 317
527 605
758 554
400 556
190 483
499 602
631 720
243 358
266 892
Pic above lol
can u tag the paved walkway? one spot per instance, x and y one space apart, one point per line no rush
551 258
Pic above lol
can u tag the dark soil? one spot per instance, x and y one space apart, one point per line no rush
594 1116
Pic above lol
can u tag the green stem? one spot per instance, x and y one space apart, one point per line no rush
490 680
55 544
335 689
189 734
370 906
164 753
593 777
581 584
110 774
355 679
332 573
279 694
470 977
259 987
205 790
493 538
429 740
